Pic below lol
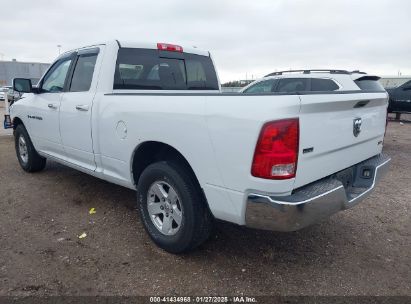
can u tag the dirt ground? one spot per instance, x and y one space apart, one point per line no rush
362 251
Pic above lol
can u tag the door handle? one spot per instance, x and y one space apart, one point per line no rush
82 107
52 106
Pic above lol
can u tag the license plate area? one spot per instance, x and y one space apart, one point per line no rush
358 176
364 176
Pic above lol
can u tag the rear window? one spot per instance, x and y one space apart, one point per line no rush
323 85
369 84
144 69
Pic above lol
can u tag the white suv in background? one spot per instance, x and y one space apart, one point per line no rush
3 91
300 81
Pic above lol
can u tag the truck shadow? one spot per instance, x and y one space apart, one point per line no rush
257 247
244 246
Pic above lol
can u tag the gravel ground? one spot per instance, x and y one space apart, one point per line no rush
362 251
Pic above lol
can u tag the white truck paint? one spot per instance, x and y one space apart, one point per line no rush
98 131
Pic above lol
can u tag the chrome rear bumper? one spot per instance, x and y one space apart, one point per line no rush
316 201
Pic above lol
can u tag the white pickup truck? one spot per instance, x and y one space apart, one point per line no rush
151 117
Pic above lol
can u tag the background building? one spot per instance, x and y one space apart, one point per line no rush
393 81
14 69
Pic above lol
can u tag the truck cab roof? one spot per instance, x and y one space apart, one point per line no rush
154 45
143 45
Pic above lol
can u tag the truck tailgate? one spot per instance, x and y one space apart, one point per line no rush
327 140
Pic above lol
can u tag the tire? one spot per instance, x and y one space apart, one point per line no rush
27 155
188 202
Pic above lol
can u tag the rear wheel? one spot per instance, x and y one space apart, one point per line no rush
172 207
27 155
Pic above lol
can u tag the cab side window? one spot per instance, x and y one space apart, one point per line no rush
83 73
56 77
264 86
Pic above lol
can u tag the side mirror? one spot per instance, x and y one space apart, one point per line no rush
22 85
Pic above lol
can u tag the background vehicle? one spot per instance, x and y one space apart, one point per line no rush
400 99
151 117
313 81
2 93
11 94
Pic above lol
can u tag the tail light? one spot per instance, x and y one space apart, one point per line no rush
169 47
276 153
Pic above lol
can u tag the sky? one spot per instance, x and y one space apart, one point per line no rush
247 39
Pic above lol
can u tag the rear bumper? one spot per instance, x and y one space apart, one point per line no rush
316 201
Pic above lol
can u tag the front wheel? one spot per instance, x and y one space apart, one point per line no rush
173 207
27 155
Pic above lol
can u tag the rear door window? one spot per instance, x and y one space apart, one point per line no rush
292 85
265 86
321 85
145 69
83 73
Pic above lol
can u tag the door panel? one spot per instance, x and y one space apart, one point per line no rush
403 100
44 123
44 116
76 111
75 127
